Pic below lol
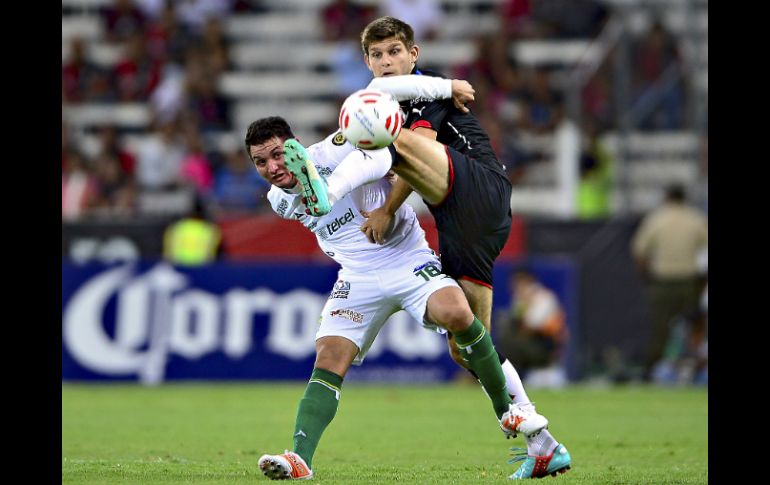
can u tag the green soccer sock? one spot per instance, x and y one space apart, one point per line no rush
477 349
316 410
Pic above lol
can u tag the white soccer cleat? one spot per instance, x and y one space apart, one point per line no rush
287 466
522 419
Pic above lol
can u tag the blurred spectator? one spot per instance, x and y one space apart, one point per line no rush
166 37
67 143
516 19
153 9
653 56
546 16
82 80
206 105
567 19
595 182
111 146
509 99
159 158
79 191
582 19
137 74
238 188
169 97
116 194
596 98
685 355
553 19
666 247
122 20
491 72
343 20
214 47
543 105
192 240
350 72
514 158
195 13
425 16
533 332
196 169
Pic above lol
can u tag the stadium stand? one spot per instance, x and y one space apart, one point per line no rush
275 67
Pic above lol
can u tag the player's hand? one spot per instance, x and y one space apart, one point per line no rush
378 225
462 93
391 176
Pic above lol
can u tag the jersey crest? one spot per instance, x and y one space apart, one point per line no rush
339 139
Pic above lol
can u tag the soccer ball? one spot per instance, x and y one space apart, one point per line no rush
370 118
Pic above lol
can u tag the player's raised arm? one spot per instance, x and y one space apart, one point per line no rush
358 168
413 86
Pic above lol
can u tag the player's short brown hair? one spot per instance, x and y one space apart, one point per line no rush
385 28
266 128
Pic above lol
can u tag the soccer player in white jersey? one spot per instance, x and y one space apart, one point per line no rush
374 282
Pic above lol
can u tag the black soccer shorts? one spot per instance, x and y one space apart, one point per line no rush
473 220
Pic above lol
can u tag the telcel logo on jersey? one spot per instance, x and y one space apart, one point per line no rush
338 222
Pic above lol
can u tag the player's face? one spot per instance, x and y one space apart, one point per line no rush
268 158
390 57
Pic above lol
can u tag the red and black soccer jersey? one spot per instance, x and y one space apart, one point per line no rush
461 131
474 219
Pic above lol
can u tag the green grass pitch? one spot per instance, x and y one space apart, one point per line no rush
215 433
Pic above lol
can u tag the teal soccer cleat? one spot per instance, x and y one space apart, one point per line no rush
541 466
314 193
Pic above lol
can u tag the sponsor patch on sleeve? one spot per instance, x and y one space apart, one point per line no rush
282 206
338 139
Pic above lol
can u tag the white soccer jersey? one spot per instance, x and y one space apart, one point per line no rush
375 280
339 232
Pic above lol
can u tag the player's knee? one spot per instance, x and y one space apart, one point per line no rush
335 354
449 308
455 316
335 365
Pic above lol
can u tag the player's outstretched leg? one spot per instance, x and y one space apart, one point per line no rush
558 461
313 185
286 466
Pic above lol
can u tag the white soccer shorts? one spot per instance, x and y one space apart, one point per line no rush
360 303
